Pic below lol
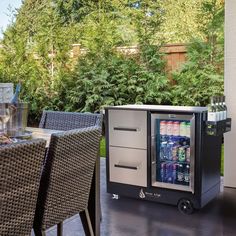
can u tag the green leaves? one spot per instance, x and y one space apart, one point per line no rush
199 79
202 76
36 52
117 80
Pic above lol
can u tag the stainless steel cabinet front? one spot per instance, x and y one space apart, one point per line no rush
128 166
128 128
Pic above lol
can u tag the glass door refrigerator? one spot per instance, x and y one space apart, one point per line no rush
172 152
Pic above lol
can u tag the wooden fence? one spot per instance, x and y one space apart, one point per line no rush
175 54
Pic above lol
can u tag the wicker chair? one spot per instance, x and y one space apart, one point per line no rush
20 170
59 120
66 178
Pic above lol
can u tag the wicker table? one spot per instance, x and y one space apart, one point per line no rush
94 207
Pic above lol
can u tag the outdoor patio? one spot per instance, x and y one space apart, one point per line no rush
130 217
152 82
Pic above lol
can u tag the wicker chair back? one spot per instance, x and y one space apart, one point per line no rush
59 120
67 176
20 170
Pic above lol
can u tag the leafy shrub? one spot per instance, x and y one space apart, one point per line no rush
199 78
117 80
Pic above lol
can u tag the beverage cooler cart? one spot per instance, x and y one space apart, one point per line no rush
167 154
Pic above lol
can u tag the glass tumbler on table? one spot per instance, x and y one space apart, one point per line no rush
4 116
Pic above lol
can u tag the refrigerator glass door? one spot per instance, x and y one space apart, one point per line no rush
172 151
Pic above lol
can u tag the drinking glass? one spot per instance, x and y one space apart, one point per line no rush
4 116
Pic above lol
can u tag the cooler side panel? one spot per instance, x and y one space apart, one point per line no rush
208 162
211 162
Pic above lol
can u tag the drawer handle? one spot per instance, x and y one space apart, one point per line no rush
126 129
126 167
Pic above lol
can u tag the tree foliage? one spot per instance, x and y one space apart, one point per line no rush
36 51
102 76
202 76
180 20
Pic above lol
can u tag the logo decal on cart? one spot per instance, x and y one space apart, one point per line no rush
141 194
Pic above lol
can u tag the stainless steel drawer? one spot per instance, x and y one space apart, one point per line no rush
128 128
128 166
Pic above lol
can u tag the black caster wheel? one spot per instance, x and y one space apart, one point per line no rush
185 206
